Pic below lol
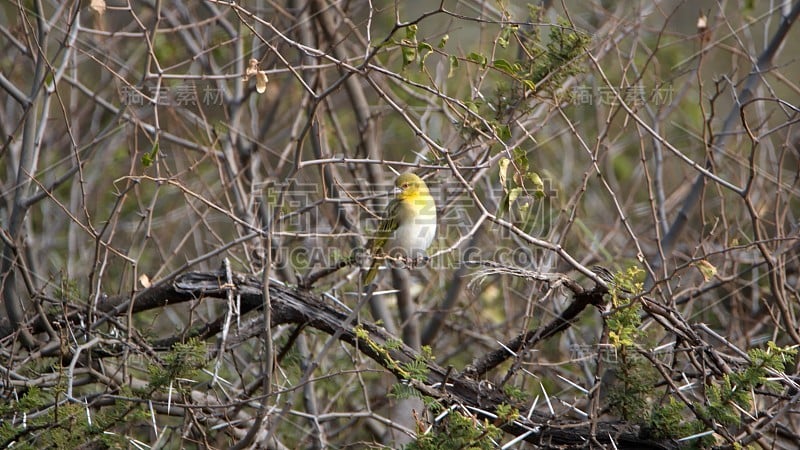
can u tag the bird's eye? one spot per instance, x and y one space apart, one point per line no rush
405 185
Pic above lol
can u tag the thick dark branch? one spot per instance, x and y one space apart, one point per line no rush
302 307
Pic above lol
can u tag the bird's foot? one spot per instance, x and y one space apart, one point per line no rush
419 261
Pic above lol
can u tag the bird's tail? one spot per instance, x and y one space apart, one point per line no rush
369 276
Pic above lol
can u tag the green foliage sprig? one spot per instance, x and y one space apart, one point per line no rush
184 361
457 431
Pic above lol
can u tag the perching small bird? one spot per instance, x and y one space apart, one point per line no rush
408 226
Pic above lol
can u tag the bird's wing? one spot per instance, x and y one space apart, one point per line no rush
387 226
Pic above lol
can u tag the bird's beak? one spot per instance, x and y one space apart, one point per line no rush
396 191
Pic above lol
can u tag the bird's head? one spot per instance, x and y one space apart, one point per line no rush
409 186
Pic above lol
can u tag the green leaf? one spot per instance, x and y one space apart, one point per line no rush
149 157
409 45
503 132
411 32
506 413
525 212
505 35
478 58
473 106
520 160
502 208
453 65
505 66
706 269
409 52
529 84
503 165
424 50
538 184
443 41
513 194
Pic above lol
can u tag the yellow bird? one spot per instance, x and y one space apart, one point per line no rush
408 226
